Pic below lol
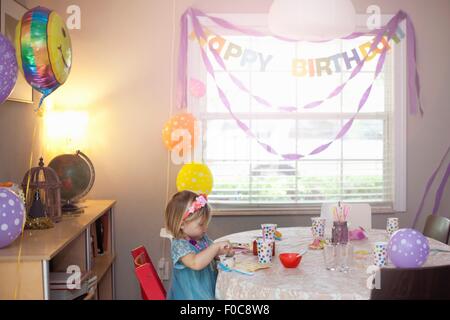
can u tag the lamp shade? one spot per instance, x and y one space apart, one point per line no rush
312 20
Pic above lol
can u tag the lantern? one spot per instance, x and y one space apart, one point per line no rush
42 189
312 20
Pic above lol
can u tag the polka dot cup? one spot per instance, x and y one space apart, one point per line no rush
318 228
228 262
264 251
380 254
391 226
268 231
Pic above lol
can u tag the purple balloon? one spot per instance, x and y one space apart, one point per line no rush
12 213
8 68
408 248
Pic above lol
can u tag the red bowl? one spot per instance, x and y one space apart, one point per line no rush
290 260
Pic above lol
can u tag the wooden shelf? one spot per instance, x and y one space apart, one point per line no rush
45 244
102 264
69 243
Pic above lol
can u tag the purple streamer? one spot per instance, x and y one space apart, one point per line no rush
311 105
321 148
182 63
413 76
336 91
365 97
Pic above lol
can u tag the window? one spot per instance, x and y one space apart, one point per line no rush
366 165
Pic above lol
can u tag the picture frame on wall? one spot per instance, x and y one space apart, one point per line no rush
10 13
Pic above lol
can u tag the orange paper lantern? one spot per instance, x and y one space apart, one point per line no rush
182 121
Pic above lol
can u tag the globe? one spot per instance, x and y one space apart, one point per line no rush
77 175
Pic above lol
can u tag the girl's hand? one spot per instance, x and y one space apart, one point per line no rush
223 247
230 252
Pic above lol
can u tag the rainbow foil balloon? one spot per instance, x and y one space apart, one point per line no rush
43 50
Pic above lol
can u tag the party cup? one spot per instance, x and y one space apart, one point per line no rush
330 256
265 250
255 247
380 254
318 227
391 226
268 231
228 262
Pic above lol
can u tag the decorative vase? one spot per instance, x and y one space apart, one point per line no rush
339 232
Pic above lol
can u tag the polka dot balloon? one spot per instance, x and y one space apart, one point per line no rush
12 214
408 248
179 125
195 177
8 68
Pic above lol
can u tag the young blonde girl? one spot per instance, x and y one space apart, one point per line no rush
194 274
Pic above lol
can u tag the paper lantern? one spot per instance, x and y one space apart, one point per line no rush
186 124
195 177
43 197
312 20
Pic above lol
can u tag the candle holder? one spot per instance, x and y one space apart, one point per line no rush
339 232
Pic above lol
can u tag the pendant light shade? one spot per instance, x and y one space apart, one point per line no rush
312 20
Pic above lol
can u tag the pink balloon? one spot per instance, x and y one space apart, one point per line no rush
198 88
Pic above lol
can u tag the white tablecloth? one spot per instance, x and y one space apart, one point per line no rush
310 280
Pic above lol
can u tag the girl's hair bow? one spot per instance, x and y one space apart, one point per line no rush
196 205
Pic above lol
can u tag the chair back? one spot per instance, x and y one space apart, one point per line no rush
151 286
412 284
437 228
163 233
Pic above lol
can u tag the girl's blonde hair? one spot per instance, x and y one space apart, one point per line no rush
176 208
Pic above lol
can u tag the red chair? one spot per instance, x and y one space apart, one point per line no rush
151 286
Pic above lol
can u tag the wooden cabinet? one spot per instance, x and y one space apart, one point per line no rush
25 265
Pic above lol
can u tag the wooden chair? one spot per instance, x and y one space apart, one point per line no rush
437 228
165 235
413 284
151 286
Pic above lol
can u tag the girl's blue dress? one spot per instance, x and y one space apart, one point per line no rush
188 284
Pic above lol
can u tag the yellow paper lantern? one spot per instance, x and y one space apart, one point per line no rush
195 177
182 121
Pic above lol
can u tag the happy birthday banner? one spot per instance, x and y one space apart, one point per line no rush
321 64
201 35
229 50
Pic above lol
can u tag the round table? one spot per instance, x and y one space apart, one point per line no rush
310 280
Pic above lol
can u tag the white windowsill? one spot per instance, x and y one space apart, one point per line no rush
307 211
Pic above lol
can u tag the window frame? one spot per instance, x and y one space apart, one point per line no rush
255 21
